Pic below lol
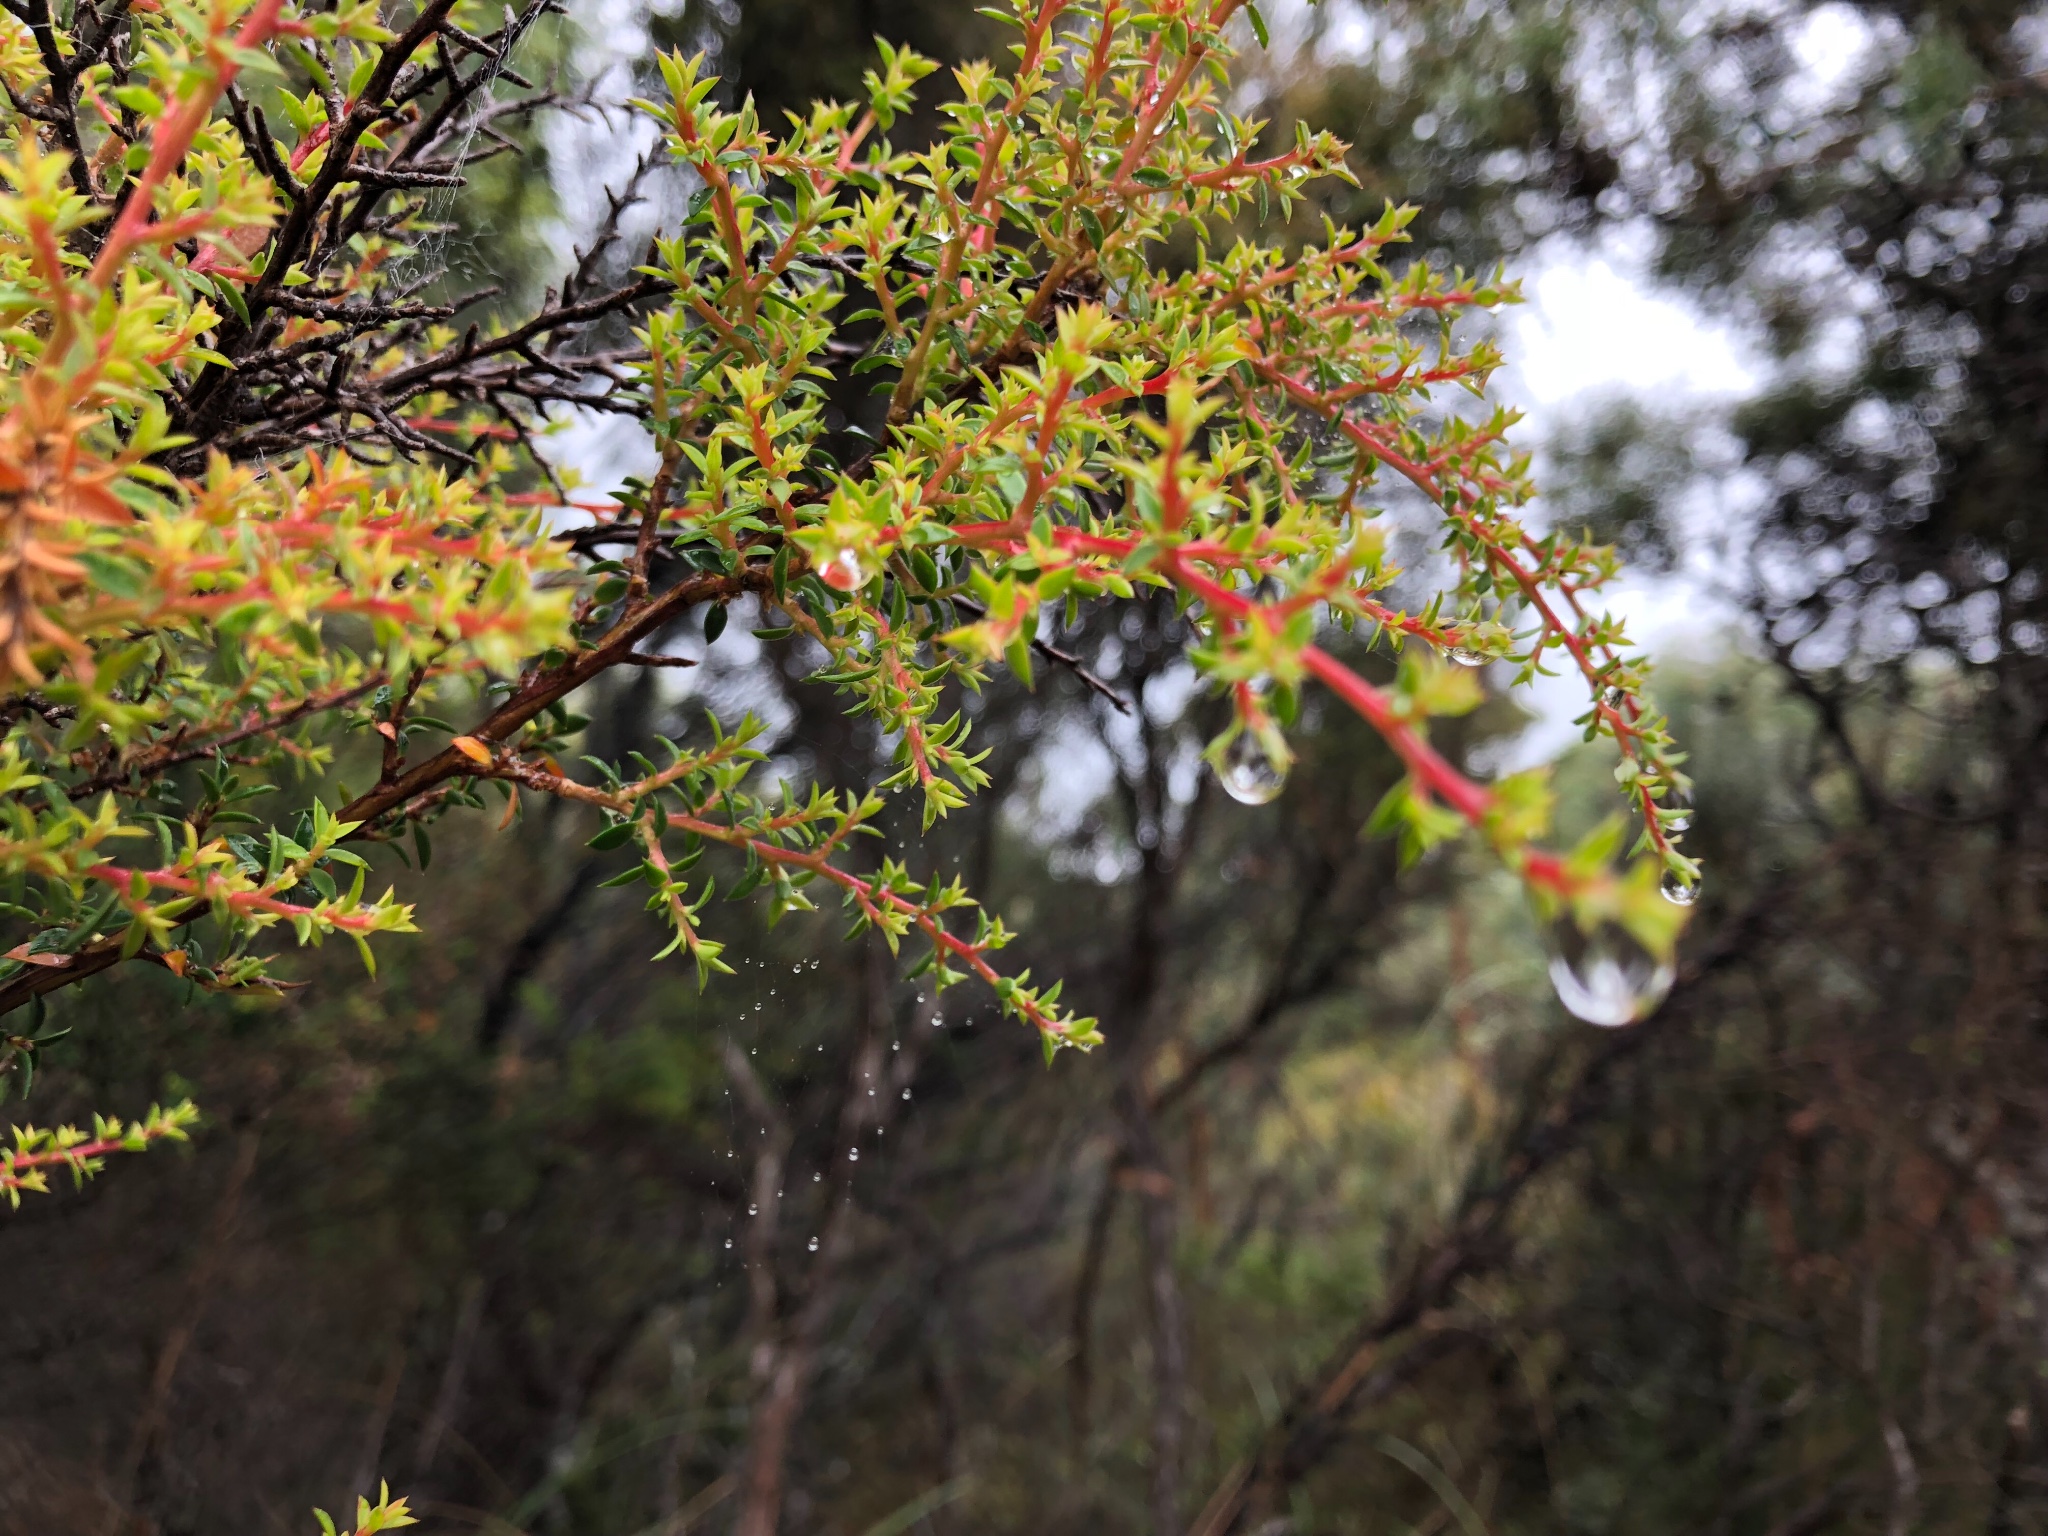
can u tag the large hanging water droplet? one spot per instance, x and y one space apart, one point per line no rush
1249 776
846 571
1677 891
1613 698
1605 977
1465 656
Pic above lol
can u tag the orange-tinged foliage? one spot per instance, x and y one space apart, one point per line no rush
50 487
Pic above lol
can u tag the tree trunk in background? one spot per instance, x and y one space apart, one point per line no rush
787 1355
150 1423
469 1315
1165 1319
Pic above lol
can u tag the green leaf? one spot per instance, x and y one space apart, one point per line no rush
614 836
231 296
116 577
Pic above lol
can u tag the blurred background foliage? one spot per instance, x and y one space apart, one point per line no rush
1349 1230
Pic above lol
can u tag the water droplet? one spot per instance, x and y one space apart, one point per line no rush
816 963
1678 800
728 1242
814 1245
1249 776
938 1021
895 1045
796 969
853 1154
1613 698
753 1210
906 1095
1465 656
1677 892
1605 977
846 571
817 1178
